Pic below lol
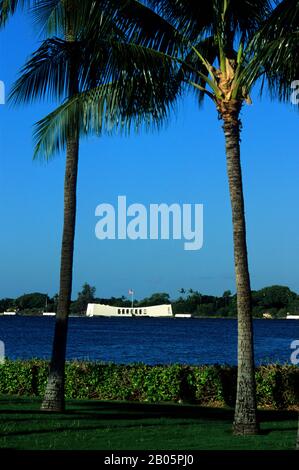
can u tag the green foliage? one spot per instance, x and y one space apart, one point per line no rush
277 47
6 305
274 297
80 379
158 298
207 384
32 301
161 383
85 297
294 306
120 83
277 385
276 300
21 377
206 310
265 384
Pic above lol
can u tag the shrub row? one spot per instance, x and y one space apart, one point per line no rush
277 385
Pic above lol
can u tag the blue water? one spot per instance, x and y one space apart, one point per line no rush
148 340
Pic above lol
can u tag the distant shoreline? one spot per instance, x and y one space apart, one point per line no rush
210 317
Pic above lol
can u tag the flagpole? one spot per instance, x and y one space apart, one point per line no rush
132 298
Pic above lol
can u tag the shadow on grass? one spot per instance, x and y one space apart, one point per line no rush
164 409
277 415
96 415
125 411
183 411
134 410
150 410
100 415
63 429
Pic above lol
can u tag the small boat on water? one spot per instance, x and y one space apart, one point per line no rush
292 317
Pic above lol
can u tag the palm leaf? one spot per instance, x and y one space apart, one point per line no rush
9 7
46 74
195 18
276 49
105 109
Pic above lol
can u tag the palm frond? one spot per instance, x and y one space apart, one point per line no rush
9 7
105 109
276 51
56 15
115 57
46 74
49 15
146 27
197 66
195 19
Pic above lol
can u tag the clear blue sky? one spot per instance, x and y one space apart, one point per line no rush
184 163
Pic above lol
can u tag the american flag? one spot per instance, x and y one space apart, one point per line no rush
131 292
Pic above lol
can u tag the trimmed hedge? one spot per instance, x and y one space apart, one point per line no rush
277 385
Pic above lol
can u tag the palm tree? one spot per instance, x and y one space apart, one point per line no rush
214 58
211 46
277 58
90 66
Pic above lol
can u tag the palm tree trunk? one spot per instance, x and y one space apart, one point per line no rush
54 395
54 398
245 420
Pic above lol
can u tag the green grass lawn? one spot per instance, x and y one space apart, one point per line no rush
96 425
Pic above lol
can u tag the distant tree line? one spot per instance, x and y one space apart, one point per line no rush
274 300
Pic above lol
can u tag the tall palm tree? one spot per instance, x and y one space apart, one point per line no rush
90 66
278 58
214 58
222 48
